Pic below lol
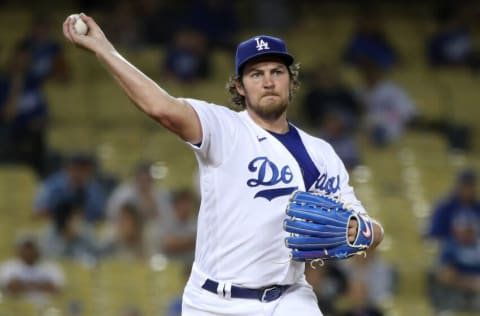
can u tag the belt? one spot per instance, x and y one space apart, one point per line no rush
266 294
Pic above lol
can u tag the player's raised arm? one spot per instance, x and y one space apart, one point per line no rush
174 114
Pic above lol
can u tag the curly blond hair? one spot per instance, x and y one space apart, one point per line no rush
239 100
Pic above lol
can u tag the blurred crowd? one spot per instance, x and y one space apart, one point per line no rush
88 216
86 222
454 280
377 107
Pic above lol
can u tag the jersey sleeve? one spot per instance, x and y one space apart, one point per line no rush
218 131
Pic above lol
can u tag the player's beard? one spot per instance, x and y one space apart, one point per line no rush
268 112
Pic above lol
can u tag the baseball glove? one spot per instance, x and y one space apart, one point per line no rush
318 227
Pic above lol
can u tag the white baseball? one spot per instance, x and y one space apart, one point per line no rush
79 26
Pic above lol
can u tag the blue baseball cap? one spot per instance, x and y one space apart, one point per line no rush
258 46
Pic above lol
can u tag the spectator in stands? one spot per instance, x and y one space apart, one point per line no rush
152 202
452 43
359 305
178 237
23 105
329 284
174 307
462 200
376 273
335 131
272 16
370 42
47 58
187 55
217 20
129 240
108 180
23 115
151 13
72 187
327 93
388 106
70 237
28 276
123 27
458 274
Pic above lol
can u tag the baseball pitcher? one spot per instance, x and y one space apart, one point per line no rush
273 197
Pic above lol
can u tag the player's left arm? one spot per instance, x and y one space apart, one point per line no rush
348 195
378 232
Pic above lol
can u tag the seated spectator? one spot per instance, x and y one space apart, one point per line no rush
372 271
359 305
327 93
273 16
152 13
72 186
47 59
217 20
452 42
123 27
462 200
174 307
129 240
23 105
187 56
150 201
23 115
370 42
108 180
336 132
178 235
329 284
28 276
458 274
69 237
388 106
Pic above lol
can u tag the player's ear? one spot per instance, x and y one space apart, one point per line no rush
239 87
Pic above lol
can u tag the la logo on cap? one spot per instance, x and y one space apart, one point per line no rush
261 44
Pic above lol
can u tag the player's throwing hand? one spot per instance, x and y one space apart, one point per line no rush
94 41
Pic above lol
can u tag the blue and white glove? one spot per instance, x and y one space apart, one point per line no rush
318 227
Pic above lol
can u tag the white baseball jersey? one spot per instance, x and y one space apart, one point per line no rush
246 177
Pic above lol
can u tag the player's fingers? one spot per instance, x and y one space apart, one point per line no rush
352 223
352 230
66 29
352 233
91 24
76 38
72 32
